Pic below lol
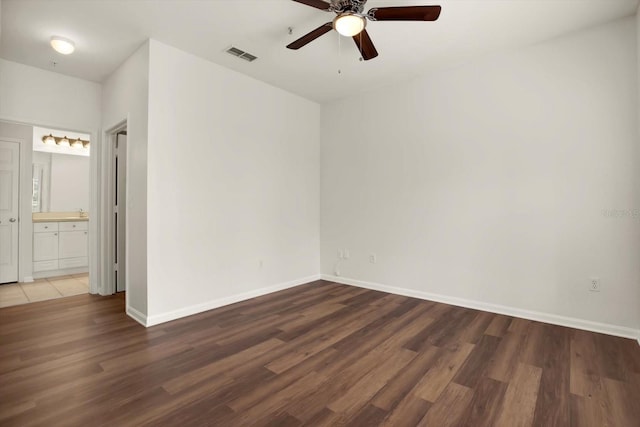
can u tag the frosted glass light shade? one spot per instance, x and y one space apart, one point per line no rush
62 45
349 25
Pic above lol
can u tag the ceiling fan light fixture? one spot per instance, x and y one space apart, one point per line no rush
352 20
349 24
62 45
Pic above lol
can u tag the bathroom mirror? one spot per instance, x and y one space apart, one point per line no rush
60 182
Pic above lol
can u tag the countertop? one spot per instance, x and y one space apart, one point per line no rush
59 217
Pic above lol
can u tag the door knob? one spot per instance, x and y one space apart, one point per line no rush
12 220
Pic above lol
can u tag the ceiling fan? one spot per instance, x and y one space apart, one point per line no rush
351 21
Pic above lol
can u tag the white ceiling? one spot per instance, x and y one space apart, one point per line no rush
106 32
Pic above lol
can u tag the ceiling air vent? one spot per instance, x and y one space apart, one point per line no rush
241 54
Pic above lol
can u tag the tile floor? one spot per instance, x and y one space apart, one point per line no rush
43 289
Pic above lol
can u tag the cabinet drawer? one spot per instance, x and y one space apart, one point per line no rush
45 265
73 262
74 226
42 227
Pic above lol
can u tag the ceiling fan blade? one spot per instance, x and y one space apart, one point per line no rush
318 4
405 13
365 45
309 37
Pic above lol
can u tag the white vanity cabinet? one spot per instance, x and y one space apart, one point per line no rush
72 246
45 246
59 247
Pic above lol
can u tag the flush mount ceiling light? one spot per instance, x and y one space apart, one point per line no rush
349 24
62 45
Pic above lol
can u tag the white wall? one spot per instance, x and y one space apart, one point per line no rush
233 180
125 97
69 183
491 181
41 97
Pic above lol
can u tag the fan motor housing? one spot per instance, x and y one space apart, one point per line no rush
342 6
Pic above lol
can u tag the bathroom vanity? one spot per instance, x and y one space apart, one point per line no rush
60 244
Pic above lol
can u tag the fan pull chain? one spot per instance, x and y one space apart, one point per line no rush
339 53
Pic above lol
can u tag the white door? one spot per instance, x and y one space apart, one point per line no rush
9 181
45 246
120 197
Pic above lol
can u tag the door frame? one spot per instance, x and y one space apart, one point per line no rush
26 228
119 199
108 229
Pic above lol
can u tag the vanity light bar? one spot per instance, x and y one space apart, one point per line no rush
64 141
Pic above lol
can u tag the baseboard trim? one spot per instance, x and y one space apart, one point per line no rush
587 325
137 316
56 273
28 279
220 302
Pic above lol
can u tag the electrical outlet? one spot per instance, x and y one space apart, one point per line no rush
340 254
346 254
373 258
594 284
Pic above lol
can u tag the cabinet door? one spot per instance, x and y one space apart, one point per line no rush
45 246
73 244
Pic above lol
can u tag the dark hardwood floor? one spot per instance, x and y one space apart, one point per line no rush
318 354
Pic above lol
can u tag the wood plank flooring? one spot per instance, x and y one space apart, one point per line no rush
321 354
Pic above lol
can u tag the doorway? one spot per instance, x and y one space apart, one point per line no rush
54 253
119 209
9 208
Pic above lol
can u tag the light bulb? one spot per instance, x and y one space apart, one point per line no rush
49 140
64 142
349 25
